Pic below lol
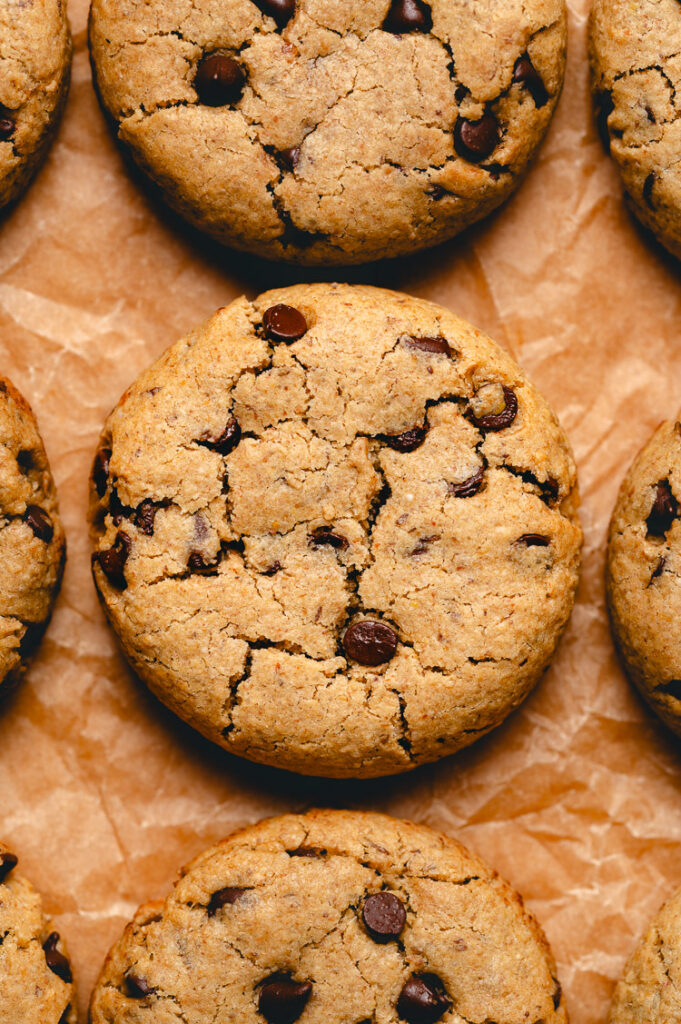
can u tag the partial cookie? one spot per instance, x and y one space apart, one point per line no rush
327 918
36 984
35 64
335 530
650 990
643 570
321 132
32 545
636 72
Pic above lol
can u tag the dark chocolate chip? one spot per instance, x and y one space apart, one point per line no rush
384 916
8 861
648 186
324 535
226 441
197 563
284 323
408 16
145 517
137 987
526 74
100 470
370 642
604 108
117 509
534 540
409 441
311 852
500 420
40 522
55 960
226 897
273 569
673 688
219 80
476 140
290 157
433 346
113 559
659 569
467 488
281 10
423 999
7 125
282 1000
664 511
25 461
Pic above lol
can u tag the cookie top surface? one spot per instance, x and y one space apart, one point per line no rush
332 917
643 569
323 132
36 985
650 990
32 546
636 71
35 59
344 554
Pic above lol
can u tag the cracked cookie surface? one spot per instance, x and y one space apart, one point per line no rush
32 545
35 62
333 917
644 569
335 530
321 132
635 50
36 984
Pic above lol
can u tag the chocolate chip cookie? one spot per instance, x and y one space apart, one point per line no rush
650 990
636 71
335 530
332 917
643 569
36 984
32 546
327 133
35 63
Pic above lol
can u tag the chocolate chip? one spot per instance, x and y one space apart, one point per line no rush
384 916
408 16
113 559
476 140
467 488
433 346
145 517
100 470
7 125
219 80
284 323
273 569
225 442
281 10
323 535
290 157
282 1000
118 510
40 522
500 420
311 852
8 861
137 987
409 441
55 960
604 108
25 461
659 569
226 897
526 74
534 540
370 642
648 186
424 543
664 511
197 563
423 999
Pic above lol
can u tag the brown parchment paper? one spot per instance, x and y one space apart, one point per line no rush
576 799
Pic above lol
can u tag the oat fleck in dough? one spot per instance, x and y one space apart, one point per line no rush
35 63
32 545
636 72
335 530
36 985
643 570
277 923
327 132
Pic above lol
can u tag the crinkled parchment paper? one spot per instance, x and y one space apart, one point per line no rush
577 799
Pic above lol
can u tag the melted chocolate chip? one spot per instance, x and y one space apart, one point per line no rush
409 441
324 535
384 916
468 488
100 470
526 74
219 80
55 960
282 1000
145 517
137 987
604 108
284 323
226 441
534 540
226 897
370 642
7 125
40 522
500 420
476 140
290 157
281 10
664 511
433 346
408 16
423 999
8 861
113 559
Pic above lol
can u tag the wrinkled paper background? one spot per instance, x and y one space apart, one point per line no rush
576 799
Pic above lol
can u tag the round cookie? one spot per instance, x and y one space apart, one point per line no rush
35 63
325 133
650 990
642 575
335 530
36 984
636 70
32 544
327 918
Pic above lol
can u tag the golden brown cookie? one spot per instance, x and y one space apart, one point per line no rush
328 133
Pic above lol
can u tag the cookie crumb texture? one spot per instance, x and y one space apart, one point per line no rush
32 545
644 569
321 132
636 72
343 554
277 923
650 990
35 63
36 984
